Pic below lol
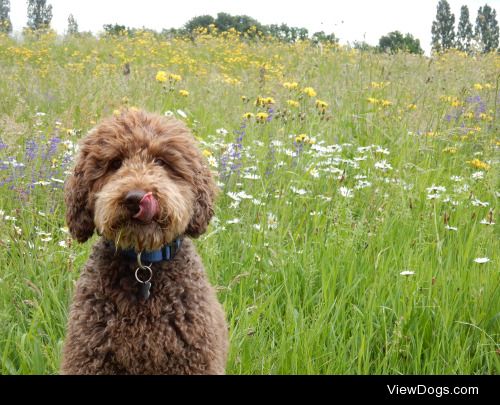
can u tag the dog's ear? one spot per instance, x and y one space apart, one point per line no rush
76 193
205 194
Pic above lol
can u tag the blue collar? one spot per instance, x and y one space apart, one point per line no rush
165 253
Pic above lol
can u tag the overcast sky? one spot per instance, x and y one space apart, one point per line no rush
350 20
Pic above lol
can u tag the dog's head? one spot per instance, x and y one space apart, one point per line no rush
140 179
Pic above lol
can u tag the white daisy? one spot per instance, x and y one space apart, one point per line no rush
346 192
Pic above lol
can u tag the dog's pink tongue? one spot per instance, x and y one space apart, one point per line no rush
148 208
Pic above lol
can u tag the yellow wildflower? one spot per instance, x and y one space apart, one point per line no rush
184 93
304 138
206 153
263 101
309 91
261 117
248 115
450 149
292 103
485 117
174 77
478 164
478 86
161 76
411 106
321 105
290 85
372 100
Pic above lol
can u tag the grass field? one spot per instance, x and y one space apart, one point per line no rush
355 229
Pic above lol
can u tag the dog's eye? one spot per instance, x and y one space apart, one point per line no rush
115 164
160 162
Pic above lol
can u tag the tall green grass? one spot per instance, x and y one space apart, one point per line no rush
310 280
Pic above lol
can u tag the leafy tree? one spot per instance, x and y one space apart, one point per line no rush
364 46
200 21
5 23
39 14
464 31
116 29
320 36
394 42
487 28
72 25
443 34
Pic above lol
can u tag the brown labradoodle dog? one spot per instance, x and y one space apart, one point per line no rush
141 182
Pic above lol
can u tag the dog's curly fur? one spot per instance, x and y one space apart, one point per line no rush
181 328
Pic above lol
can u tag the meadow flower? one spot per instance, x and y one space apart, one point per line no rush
272 221
346 192
482 260
212 161
309 91
303 138
184 93
261 117
478 164
264 101
381 150
247 115
233 221
436 189
62 243
290 85
174 77
486 222
251 176
477 175
383 165
161 76
314 173
299 191
362 184
221 131
292 103
478 203
321 105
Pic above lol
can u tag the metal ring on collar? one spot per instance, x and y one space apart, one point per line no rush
143 268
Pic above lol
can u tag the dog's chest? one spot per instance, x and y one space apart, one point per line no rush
165 331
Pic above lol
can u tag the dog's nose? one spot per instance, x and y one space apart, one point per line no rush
143 206
133 199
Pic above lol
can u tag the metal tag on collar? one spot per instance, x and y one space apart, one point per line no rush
145 284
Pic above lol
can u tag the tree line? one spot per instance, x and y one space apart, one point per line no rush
483 38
